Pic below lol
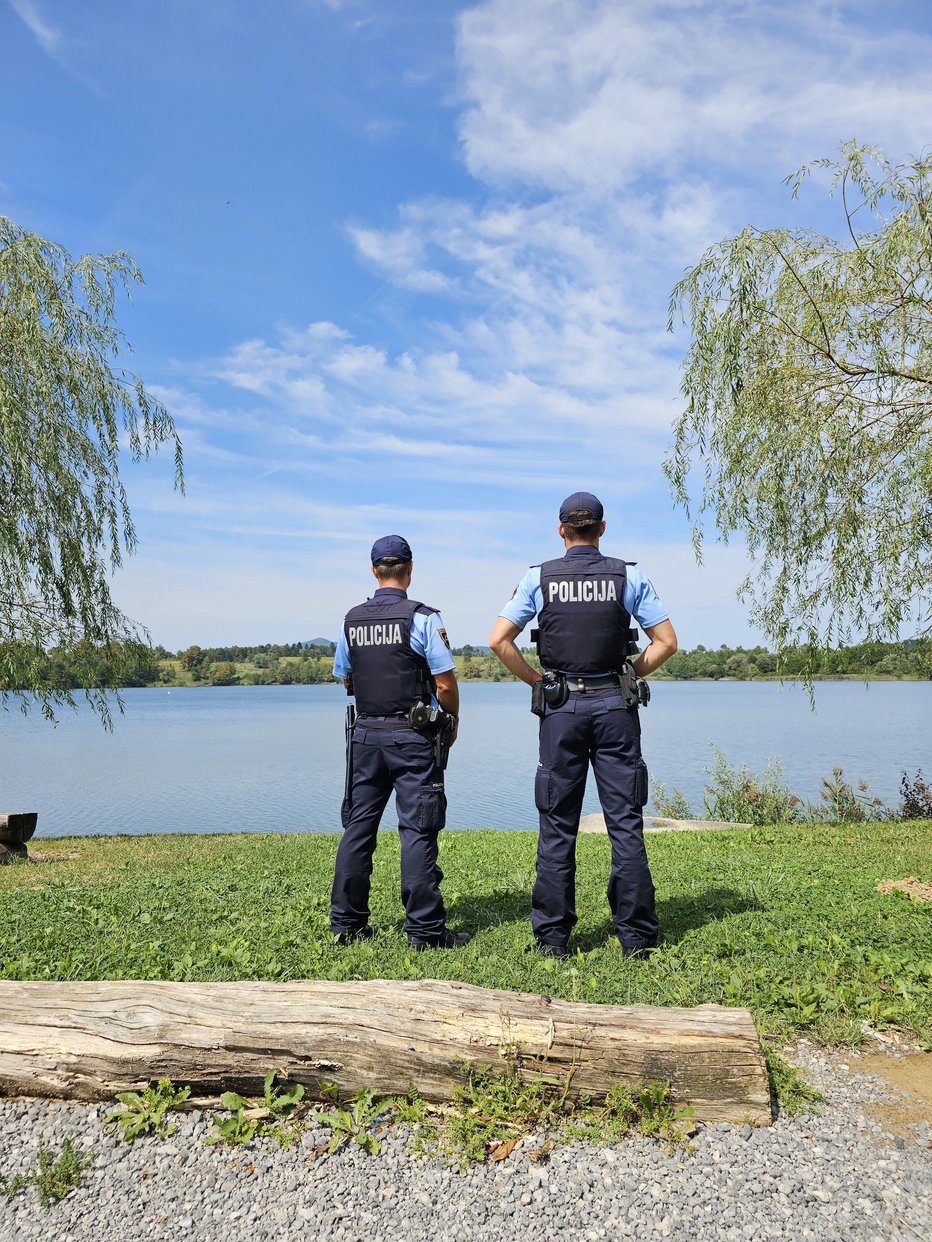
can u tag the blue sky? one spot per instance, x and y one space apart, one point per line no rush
407 266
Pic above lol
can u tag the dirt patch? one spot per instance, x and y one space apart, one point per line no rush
911 1075
910 886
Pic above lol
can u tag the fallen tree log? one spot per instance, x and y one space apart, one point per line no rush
91 1040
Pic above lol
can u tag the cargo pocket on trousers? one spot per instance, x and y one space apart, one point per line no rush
640 784
542 788
431 810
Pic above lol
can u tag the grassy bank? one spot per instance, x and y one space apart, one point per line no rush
783 920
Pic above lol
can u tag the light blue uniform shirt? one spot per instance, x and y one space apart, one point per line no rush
426 640
640 599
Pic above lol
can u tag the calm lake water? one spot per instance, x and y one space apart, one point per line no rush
270 758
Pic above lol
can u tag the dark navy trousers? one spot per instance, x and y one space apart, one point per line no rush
386 759
597 728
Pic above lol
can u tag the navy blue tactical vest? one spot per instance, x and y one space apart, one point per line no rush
583 621
388 676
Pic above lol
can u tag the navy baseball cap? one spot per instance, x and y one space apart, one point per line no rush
391 547
581 508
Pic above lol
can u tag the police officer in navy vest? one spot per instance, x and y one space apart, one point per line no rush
395 652
588 707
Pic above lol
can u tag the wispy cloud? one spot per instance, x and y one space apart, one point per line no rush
49 38
63 50
556 98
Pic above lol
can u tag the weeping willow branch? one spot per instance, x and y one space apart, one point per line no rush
68 408
808 422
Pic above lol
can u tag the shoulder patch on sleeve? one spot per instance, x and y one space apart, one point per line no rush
443 634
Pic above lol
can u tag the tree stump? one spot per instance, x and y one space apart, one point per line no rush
91 1040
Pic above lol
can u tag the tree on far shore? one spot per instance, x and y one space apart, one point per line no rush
68 407
809 407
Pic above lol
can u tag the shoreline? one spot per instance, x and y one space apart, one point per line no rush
479 681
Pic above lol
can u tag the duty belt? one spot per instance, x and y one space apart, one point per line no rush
579 685
393 716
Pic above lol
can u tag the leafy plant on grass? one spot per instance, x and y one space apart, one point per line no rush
53 1179
738 795
842 804
274 1116
916 795
353 1121
144 1111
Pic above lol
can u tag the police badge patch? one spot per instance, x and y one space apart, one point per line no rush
443 634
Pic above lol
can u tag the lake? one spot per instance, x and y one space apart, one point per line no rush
270 758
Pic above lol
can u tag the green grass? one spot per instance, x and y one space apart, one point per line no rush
783 920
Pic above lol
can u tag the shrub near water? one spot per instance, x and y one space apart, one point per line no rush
738 795
842 803
916 797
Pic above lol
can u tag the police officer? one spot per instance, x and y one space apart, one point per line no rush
395 650
585 602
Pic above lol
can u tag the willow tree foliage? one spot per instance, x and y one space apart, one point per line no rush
68 408
809 406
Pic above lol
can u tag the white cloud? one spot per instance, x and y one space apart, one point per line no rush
399 252
560 95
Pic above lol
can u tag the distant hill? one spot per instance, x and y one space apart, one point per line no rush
319 642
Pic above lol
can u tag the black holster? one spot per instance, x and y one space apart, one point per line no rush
442 740
437 726
551 691
349 726
629 686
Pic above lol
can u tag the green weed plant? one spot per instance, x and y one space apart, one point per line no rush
144 1112
53 1178
354 1121
495 1109
795 1095
273 1116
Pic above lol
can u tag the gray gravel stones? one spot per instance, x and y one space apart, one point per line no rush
837 1176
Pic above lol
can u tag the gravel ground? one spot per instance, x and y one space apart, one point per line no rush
835 1176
